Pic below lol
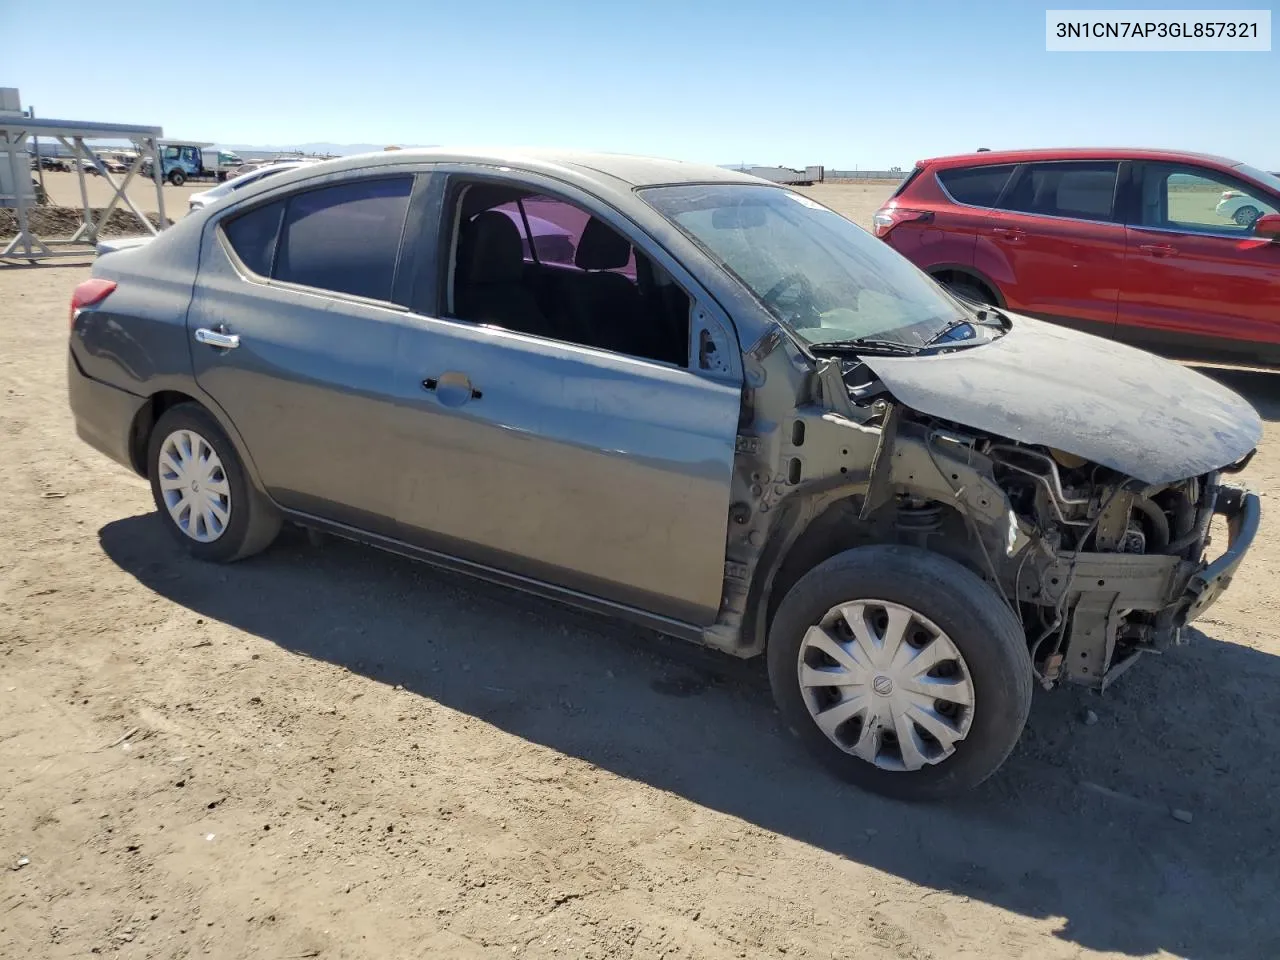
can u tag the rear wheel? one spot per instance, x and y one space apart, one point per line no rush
200 488
1245 216
901 670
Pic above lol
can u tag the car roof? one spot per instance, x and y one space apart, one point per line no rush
1074 153
635 171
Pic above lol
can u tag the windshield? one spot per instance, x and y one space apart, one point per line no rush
1260 176
821 274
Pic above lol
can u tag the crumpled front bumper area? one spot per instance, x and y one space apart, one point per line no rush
1243 512
1136 602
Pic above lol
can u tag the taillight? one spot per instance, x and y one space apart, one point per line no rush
1231 194
94 290
887 218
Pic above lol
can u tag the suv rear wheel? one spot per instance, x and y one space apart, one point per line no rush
904 672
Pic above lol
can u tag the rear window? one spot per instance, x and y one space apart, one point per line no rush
911 177
253 236
346 237
1082 190
976 186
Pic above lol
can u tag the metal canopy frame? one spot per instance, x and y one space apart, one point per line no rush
14 133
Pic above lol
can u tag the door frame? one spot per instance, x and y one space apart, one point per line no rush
438 202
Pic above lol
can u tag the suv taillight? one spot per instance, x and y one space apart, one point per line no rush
887 218
94 290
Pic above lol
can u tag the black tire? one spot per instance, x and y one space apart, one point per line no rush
971 292
254 521
177 177
1246 216
958 602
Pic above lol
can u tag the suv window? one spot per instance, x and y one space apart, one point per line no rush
1083 190
1199 200
976 186
345 237
546 267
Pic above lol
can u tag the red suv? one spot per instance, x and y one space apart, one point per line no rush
1176 252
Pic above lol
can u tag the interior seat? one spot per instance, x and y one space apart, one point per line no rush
490 283
607 305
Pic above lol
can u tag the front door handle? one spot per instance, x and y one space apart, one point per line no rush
216 338
1158 249
1008 233
452 389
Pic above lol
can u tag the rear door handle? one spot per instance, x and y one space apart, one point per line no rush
216 338
1008 233
1158 249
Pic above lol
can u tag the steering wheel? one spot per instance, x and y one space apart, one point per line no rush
773 294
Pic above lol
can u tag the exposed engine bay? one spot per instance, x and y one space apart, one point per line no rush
1099 566
1074 514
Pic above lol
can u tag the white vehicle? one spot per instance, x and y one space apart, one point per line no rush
198 201
1241 207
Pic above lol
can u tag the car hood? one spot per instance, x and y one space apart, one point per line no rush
1150 418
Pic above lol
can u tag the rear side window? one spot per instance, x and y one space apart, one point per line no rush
976 186
253 236
1083 190
345 237
911 178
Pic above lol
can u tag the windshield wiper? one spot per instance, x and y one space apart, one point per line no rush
895 348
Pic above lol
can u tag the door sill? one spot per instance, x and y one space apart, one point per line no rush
480 571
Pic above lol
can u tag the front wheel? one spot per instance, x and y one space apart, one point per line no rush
201 491
903 671
177 178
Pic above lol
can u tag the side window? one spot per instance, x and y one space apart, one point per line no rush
345 237
252 236
171 153
1082 190
1199 200
976 186
546 267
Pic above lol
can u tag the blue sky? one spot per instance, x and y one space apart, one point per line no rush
844 84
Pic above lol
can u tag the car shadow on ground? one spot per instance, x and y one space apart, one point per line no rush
1076 828
1260 387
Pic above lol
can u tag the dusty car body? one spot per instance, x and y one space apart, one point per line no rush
914 530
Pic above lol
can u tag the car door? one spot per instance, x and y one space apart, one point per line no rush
294 334
594 471
1057 242
1197 280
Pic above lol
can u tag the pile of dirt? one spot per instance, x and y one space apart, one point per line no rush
56 223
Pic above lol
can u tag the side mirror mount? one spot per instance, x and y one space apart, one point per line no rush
1267 227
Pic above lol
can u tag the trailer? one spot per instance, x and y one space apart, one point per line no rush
786 175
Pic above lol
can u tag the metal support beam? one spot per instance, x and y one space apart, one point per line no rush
13 139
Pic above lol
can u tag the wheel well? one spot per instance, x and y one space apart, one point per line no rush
145 421
951 275
840 528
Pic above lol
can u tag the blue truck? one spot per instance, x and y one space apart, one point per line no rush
181 162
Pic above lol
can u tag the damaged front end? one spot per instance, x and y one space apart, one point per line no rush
1098 565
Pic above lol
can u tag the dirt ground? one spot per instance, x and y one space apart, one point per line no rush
330 752
64 191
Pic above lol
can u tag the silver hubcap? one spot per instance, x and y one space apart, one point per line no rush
886 685
194 485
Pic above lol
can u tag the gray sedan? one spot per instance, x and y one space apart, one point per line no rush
684 396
